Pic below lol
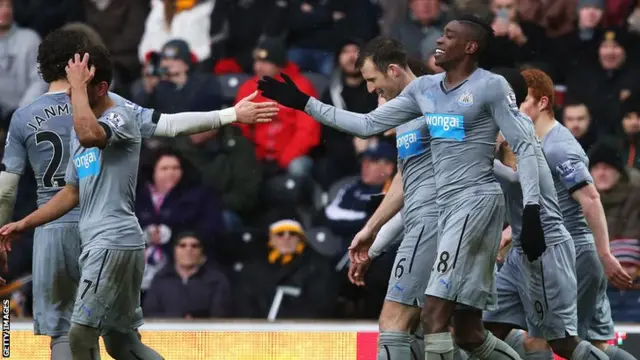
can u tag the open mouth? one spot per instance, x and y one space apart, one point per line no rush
439 52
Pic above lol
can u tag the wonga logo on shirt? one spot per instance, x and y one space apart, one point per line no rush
409 144
87 163
446 126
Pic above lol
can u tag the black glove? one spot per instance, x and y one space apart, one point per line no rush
531 235
286 93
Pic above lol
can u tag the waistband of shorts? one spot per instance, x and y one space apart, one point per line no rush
57 224
469 192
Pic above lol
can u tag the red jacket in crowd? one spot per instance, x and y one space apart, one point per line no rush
292 133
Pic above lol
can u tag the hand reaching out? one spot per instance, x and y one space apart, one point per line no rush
248 112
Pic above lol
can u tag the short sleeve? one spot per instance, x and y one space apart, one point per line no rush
146 119
569 167
71 175
15 151
119 126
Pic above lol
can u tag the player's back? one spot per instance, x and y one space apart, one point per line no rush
550 215
463 135
40 132
414 159
570 163
107 181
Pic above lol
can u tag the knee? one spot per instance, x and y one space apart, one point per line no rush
82 337
535 344
565 347
398 317
435 317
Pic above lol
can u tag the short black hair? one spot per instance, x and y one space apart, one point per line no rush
56 50
100 58
516 81
480 31
383 51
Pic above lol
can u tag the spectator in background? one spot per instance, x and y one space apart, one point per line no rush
171 196
576 118
284 143
44 16
624 303
156 255
421 28
290 262
359 19
336 155
188 20
604 85
236 28
311 33
579 46
228 164
557 17
170 84
20 82
618 188
631 130
120 24
347 213
191 287
516 41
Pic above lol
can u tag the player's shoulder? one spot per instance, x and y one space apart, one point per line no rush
487 78
119 116
423 83
24 113
560 144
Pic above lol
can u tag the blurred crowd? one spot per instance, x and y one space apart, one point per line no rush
253 221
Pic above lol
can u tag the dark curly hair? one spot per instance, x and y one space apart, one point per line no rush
61 45
55 51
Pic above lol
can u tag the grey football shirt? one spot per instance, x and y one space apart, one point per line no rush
106 179
550 215
570 168
463 124
414 159
40 133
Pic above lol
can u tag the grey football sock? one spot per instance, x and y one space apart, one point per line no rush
438 346
494 349
394 345
127 346
60 349
586 351
615 353
417 347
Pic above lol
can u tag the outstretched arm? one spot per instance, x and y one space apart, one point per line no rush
519 133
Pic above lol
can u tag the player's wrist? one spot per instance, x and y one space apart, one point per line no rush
228 116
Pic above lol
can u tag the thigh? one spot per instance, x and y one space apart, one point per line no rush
510 309
551 292
108 296
594 310
469 237
56 273
414 260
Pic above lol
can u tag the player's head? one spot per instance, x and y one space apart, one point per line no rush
540 97
99 87
464 39
55 51
383 63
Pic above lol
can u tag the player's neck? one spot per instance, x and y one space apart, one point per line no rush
544 123
59 86
102 105
458 74
408 77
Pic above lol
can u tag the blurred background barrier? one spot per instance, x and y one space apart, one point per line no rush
255 340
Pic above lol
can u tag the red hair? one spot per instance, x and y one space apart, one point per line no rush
540 85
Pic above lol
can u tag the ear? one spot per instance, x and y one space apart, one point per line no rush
543 104
103 88
471 48
393 70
